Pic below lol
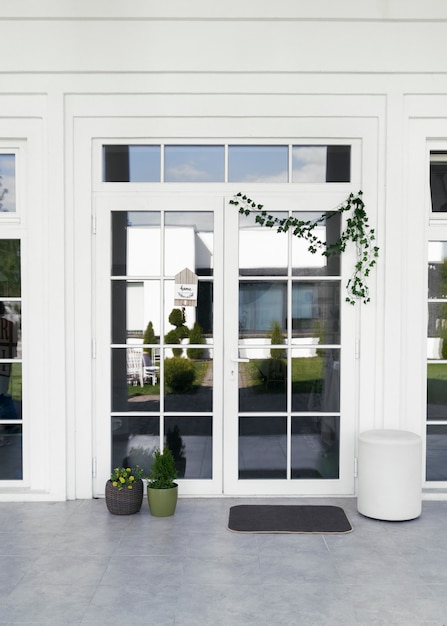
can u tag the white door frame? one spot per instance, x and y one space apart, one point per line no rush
225 392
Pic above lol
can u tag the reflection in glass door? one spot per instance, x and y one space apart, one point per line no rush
245 387
162 352
289 360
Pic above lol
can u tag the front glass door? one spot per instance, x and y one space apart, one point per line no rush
223 341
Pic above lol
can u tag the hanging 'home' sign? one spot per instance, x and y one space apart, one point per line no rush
185 288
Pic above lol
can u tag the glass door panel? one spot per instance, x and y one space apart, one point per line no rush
288 362
161 353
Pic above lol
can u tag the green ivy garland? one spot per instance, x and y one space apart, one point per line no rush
357 231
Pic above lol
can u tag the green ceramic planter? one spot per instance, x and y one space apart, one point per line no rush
162 502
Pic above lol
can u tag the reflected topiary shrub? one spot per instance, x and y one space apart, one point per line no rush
179 374
195 336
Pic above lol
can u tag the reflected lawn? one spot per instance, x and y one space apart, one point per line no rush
307 374
200 367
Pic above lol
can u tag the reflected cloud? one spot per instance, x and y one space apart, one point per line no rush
309 164
186 173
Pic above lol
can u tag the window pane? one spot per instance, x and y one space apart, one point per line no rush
316 312
194 164
188 382
438 185
437 391
436 452
10 391
134 440
315 447
189 242
191 441
316 380
305 263
263 380
7 183
260 164
262 251
135 380
10 268
262 447
437 269
321 164
134 305
260 305
135 243
11 456
10 330
132 164
437 330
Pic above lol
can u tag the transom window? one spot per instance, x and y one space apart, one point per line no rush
226 163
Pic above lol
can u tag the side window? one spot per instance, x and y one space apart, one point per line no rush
11 418
436 454
7 183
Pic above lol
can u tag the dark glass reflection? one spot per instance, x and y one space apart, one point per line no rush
263 381
438 186
134 440
262 447
316 311
10 391
437 391
11 456
436 452
132 164
315 447
135 381
191 441
10 268
316 380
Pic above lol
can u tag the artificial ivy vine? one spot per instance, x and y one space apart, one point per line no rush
357 230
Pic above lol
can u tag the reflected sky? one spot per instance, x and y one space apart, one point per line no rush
246 163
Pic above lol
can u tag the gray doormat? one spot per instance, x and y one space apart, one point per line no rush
307 518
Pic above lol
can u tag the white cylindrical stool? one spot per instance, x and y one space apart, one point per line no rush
389 475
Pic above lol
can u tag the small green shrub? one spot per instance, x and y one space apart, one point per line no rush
195 336
163 472
277 339
149 337
179 374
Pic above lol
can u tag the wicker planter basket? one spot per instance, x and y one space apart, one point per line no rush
126 501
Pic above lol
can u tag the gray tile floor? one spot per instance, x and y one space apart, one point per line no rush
75 563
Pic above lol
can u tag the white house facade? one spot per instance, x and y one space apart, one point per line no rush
126 130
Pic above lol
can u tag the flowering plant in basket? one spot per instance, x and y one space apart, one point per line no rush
125 477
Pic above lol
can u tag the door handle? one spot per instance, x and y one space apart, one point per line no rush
239 360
